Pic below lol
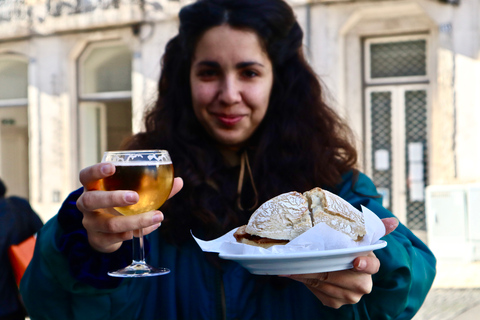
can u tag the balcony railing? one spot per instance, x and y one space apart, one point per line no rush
20 17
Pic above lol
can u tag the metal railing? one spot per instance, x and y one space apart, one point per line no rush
37 11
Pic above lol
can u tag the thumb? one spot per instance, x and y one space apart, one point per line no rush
390 224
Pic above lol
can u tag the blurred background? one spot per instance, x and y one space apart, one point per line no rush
77 75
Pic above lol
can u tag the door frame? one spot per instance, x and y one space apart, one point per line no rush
398 143
21 177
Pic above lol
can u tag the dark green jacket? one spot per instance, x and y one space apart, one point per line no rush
66 279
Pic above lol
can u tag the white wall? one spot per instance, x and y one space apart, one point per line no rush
52 109
336 32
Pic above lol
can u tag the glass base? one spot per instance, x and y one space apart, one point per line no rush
139 269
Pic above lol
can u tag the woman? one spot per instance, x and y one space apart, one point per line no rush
242 115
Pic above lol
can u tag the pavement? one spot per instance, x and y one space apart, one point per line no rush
455 294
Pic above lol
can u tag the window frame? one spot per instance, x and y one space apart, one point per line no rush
16 102
398 143
397 80
99 96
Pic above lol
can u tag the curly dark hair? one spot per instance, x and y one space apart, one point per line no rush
301 143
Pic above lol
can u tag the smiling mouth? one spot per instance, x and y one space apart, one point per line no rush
228 120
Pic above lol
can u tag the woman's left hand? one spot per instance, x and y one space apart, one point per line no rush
335 289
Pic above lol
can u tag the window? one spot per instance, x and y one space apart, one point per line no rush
13 80
106 69
105 107
14 156
400 59
396 92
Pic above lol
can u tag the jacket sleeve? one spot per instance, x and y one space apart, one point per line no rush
86 264
69 274
407 266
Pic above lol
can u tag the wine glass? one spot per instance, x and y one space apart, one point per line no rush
150 174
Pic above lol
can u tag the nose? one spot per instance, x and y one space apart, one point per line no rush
230 92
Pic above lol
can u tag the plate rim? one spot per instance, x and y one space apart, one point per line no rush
305 254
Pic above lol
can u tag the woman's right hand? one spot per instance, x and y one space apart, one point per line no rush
106 228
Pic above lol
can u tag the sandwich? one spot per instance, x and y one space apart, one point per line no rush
277 221
285 217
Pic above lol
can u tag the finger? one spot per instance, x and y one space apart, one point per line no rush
327 300
367 264
150 229
345 280
335 289
335 297
106 232
109 224
177 186
390 224
93 200
90 176
309 278
96 199
107 242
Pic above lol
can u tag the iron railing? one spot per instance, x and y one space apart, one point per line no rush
38 11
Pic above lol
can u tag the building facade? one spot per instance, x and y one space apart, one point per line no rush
76 76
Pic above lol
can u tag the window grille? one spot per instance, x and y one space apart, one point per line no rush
416 131
381 115
398 59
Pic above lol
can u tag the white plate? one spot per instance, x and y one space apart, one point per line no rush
302 262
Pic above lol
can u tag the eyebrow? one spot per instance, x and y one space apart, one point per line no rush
240 65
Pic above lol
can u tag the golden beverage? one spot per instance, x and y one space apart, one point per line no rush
153 183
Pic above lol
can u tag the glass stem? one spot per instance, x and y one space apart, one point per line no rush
138 249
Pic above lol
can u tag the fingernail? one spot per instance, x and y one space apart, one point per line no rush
156 226
391 228
130 197
361 265
157 217
396 225
107 169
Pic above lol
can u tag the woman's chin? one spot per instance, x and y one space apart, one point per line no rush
231 140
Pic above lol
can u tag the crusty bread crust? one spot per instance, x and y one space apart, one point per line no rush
243 237
288 215
283 218
337 213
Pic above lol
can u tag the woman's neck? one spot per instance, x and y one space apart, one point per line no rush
231 155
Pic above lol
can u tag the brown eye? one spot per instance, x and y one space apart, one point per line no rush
249 74
207 73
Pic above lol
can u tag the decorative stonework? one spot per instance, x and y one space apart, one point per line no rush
27 17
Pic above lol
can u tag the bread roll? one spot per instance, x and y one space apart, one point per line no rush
243 237
337 213
288 215
283 218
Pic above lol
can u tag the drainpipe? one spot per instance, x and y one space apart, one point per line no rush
447 29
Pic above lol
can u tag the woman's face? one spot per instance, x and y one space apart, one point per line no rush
231 79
